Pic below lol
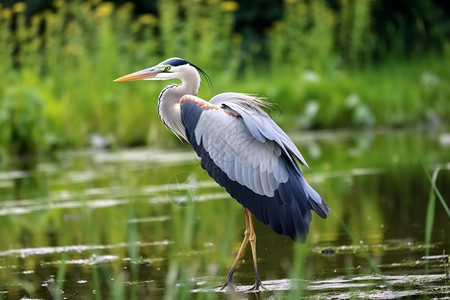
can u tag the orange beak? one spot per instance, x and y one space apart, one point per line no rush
139 75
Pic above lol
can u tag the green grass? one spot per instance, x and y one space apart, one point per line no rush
431 211
61 64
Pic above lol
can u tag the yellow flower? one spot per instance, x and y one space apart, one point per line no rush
127 6
147 19
229 6
6 13
50 17
105 9
19 7
58 3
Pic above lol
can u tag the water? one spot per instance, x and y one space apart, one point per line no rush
149 223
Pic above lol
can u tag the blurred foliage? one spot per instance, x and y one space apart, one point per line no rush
403 27
319 60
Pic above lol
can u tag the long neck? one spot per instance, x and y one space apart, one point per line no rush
168 102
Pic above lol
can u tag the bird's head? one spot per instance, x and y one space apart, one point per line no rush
172 68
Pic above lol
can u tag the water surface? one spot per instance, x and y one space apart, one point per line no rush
150 223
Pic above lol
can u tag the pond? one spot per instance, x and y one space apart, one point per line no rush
150 223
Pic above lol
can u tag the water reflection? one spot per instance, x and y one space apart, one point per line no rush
150 223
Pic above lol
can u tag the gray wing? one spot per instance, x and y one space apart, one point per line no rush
249 155
242 157
259 124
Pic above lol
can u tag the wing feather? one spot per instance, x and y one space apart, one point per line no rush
248 154
260 125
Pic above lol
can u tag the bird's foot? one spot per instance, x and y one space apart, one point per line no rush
257 287
228 284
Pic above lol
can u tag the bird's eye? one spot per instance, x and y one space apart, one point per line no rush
167 68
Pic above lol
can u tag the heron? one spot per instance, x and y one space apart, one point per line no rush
242 149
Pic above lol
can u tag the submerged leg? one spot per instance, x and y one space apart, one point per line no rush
249 236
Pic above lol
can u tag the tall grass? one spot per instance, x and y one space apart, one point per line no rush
63 62
304 38
430 213
60 64
354 35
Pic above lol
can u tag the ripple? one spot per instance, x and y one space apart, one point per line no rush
25 252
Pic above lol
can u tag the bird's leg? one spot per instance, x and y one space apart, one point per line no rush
252 240
249 236
241 249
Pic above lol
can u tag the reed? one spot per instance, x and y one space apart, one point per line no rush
430 213
61 63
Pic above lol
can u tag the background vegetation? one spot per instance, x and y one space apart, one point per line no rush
326 64
110 222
